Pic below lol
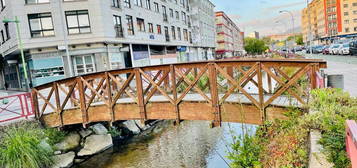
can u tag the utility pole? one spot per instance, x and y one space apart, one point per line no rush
293 23
309 34
21 47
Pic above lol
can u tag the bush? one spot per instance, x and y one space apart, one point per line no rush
20 147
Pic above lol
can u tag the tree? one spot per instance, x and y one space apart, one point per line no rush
254 46
299 40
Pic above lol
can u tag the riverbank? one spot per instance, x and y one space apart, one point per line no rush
284 143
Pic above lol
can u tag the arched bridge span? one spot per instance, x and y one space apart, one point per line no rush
245 90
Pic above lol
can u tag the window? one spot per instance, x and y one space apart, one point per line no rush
36 1
355 28
347 21
173 31
2 4
345 13
127 3
183 17
164 14
151 28
185 35
156 7
177 15
354 20
129 23
167 35
354 4
171 13
138 3
84 64
6 25
355 12
116 3
41 25
179 33
141 24
2 36
148 4
345 5
78 22
118 26
159 29
347 30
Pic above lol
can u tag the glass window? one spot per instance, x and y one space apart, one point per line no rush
78 22
141 24
129 22
36 1
179 33
41 25
138 3
116 3
159 29
177 15
148 4
151 28
171 13
118 26
7 32
156 7
185 35
173 31
84 64
127 3
2 4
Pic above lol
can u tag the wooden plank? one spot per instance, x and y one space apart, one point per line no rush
58 103
109 98
260 91
174 93
82 102
214 96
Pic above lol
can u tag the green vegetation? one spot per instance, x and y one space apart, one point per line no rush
283 143
298 39
22 145
254 46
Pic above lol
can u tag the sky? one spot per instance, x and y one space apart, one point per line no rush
262 15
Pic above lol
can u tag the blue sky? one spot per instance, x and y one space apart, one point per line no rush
261 15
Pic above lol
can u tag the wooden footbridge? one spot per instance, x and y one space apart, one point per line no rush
246 90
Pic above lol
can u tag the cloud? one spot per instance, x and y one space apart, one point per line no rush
284 6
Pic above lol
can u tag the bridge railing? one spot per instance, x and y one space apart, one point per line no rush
260 82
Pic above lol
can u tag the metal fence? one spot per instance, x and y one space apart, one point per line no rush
16 107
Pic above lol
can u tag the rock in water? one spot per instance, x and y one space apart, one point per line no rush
141 125
85 132
132 126
70 142
95 144
99 129
64 160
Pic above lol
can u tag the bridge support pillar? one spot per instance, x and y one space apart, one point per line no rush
140 94
214 96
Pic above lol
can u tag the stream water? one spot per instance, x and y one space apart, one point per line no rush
191 144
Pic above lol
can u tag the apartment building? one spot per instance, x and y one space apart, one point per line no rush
229 37
327 20
99 35
349 17
203 29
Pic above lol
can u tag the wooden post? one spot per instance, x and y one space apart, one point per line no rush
58 103
167 82
36 108
313 76
82 101
139 87
261 91
110 103
174 93
214 96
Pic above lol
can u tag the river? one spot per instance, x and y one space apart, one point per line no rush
191 144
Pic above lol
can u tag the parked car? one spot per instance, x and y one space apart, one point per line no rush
345 49
318 49
336 48
330 48
326 49
353 48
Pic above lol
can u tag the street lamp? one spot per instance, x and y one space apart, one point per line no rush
17 22
292 19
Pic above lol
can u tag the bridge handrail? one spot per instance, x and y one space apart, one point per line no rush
109 86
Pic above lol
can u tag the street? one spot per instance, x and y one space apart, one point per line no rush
345 65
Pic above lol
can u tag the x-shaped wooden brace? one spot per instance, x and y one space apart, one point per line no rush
46 100
123 88
94 91
69 92
287 85
68 95
118 80
156 86
154 79
288 78
192 84
237 85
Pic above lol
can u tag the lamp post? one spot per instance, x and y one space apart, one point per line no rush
17 22
293 22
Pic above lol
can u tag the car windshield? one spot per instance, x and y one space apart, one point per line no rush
346 45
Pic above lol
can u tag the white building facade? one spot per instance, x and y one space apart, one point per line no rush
203 29
100 35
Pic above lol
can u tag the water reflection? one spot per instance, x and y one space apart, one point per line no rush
192 144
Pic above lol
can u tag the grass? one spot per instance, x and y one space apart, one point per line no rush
283 143
20 145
